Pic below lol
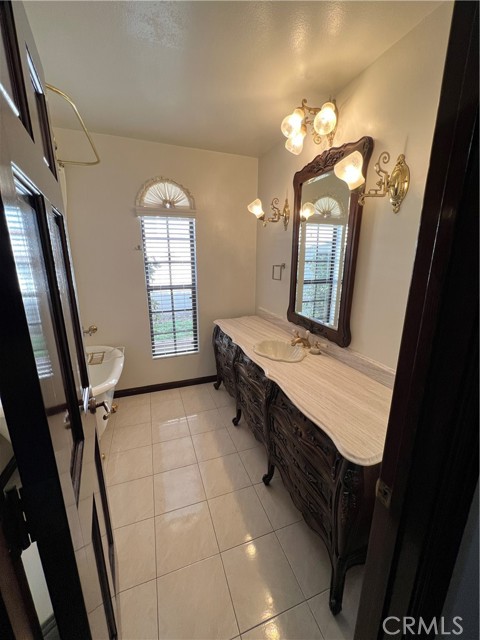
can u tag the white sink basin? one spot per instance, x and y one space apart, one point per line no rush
276 350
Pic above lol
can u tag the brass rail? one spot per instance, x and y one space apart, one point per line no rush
72 104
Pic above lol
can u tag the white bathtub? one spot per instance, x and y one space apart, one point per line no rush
104 377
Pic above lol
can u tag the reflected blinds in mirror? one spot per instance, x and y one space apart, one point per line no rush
322 246
329 274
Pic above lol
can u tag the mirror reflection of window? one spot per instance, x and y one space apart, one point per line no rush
322 243
326 233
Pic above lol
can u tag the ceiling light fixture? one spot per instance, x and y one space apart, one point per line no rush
395 185
323 123
256 208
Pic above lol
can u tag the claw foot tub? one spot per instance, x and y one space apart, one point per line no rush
105 365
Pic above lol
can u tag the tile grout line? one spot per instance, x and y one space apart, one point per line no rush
218 546
186 566
280 614
134 586
303 601
214 431
154 522
290 565
131 480
263 508
313 614
284 526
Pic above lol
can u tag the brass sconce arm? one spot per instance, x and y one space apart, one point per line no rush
256 208
394 185
277 214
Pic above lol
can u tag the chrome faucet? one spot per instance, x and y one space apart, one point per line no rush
90 331
297 339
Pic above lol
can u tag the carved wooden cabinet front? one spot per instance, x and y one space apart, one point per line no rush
225 351
252 389
335 496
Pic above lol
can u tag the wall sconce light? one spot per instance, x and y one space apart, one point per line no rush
256 208
394 185
307 211
324 123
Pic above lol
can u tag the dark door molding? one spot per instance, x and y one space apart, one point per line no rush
430 463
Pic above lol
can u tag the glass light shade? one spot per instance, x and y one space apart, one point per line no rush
295 143
326 119
292 124
307 211
255 207
350 170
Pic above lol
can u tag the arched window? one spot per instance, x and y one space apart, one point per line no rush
167 215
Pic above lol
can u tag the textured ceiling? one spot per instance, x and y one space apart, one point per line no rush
212 75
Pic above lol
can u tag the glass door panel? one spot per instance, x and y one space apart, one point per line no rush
27 250
28 562
12 86
41 273
69 306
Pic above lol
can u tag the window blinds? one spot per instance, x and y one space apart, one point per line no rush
170 272
324 246
22 228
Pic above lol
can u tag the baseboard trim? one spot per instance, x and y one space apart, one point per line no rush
121 393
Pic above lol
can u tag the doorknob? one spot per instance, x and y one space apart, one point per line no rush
93 406
66 420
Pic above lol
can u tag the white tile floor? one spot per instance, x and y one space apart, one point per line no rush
205 550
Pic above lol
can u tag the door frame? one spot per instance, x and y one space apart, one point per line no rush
430 466
62 537
41 490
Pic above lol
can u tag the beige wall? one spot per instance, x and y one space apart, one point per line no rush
104 234
395 102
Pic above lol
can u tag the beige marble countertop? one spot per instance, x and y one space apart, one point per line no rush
350 407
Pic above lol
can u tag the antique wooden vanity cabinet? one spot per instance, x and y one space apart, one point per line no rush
244 380
334 495
225 351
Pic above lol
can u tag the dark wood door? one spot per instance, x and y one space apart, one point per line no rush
55 481
430 466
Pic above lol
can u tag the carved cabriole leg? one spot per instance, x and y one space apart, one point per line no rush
337 584
216 333
269 475
270 391
236 420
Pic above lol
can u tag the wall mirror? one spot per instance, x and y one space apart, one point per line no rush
326 229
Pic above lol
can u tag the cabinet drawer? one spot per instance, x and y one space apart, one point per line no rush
251 372
311 504
225 352
308 440
319 485
228 380
251 398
